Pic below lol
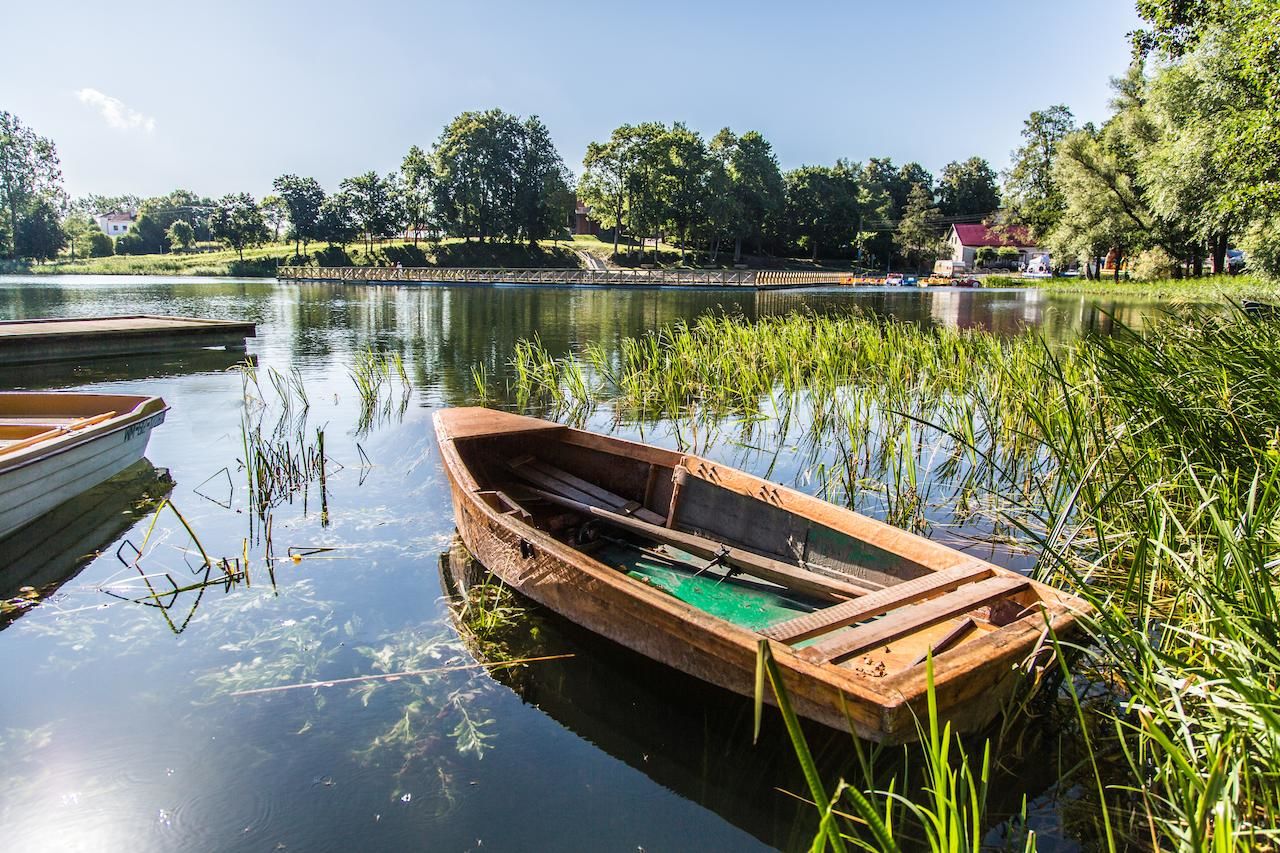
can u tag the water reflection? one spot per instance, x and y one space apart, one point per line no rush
120 732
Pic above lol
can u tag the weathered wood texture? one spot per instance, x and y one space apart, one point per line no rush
32 341
550 276
985 625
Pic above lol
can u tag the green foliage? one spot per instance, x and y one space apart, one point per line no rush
417 182
498 176
237 222
165 210
40 236
78 229
145 237
917 237
100 245
338 224
30 185
303 201
822 207
968 189
181 234
374 204
332 256
1030 189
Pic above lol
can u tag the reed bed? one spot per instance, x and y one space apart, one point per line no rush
1144 471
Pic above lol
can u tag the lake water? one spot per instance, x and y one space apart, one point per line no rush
129 719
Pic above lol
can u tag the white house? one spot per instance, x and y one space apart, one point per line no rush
966 240
115 223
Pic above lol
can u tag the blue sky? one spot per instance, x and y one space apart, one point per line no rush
219 96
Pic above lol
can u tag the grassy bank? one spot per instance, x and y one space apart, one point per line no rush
1207 287
1143 470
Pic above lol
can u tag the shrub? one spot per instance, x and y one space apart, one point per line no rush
1152 264
332 256
1262 247
100 245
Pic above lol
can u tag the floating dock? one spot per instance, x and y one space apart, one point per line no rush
551 277
32 341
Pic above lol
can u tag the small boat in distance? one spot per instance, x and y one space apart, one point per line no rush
53 446
693 563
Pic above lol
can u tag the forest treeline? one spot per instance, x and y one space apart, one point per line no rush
1186 166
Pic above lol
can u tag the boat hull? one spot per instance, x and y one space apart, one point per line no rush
971 685
30 490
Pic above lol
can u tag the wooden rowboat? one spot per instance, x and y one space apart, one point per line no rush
693 563
53 446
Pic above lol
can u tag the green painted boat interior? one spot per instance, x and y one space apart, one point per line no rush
746 603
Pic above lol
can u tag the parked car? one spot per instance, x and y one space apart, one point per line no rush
964 282
893 279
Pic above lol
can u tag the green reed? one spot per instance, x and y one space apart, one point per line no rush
1144 468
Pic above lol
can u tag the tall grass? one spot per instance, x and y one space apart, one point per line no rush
1143 468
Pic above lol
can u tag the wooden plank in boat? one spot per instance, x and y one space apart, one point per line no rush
908 592
913 618
545 475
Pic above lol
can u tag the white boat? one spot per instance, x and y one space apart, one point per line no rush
53 446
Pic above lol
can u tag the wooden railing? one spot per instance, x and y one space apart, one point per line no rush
510 275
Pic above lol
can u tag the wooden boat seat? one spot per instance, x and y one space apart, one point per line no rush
913 618
879 602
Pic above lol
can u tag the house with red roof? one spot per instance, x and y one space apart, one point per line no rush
965 241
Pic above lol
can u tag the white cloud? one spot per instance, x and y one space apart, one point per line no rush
116 112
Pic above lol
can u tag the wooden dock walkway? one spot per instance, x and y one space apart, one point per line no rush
749 279
30 341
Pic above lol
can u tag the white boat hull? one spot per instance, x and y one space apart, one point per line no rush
29 491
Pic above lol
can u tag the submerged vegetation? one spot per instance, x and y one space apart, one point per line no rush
1142 470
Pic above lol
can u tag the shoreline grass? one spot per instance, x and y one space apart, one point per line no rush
1144 469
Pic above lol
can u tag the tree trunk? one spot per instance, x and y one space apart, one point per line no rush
813 255
1115 273
1220 254
737 250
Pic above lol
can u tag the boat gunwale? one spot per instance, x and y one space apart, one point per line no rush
148 406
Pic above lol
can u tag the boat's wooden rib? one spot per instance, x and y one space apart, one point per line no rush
852 606
879 602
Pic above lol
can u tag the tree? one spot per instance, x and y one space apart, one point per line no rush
917 236
163 211
337 224
755 185
237 221
1029 185
684 181
417 179
476 164
79 230
29 173
145 237
274 213
302 199
181 234
373 203
822 206
40 235
968 189
542 194
606 179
